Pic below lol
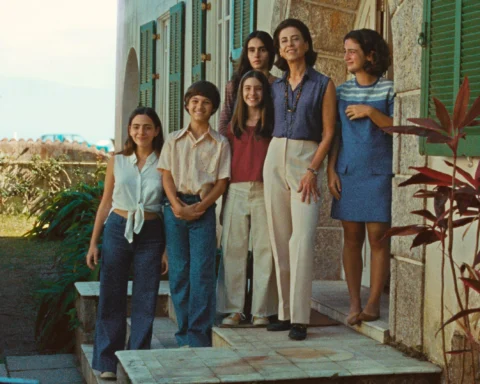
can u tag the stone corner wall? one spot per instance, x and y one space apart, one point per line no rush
408 266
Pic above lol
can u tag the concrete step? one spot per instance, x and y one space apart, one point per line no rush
47 369
90 375
163 335
86 305
331 298
3 370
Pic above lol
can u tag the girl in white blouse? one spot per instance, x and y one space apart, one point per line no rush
133 233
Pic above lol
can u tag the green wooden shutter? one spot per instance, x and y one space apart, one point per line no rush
242 23
177 38
450 55
199 36
147 64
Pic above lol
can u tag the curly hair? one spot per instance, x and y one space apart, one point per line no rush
310 55
372 42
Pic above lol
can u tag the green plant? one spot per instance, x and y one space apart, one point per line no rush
23 184
456 201
70 215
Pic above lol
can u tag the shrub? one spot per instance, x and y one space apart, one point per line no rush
70 216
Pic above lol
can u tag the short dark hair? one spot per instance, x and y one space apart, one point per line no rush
372 42
264 126
157 144
203 88
310 56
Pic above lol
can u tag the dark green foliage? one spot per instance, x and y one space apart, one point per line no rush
69 215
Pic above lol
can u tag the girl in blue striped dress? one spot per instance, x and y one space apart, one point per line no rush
360 167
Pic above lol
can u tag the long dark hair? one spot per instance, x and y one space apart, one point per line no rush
244 64
157 143
310 55
264 125
371 42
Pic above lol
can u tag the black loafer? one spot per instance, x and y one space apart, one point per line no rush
298 332
280 325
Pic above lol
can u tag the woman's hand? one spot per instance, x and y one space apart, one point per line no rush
92 256
358 111
334 184
164 263
308 186
186 212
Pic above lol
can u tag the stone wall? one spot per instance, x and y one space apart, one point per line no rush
408 266
328 21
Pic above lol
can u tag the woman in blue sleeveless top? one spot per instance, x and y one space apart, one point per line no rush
360 167
304 101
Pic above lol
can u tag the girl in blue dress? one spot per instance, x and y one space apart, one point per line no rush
360 167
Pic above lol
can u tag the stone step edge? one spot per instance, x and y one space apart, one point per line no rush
369 329
89 374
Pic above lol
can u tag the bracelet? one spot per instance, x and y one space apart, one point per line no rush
313 171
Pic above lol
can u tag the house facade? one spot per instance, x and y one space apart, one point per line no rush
165 45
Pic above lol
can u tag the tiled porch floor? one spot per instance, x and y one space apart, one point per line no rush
257 355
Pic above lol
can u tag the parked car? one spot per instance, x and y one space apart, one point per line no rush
105 145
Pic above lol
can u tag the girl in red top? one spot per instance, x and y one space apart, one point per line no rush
244 216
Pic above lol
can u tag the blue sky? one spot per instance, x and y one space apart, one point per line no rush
57 68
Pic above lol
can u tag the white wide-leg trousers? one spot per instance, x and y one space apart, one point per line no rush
245 218
292 225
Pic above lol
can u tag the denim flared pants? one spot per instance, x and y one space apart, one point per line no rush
191 249
117 256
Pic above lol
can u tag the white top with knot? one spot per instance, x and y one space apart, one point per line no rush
136 191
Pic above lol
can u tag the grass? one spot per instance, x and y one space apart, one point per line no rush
17 251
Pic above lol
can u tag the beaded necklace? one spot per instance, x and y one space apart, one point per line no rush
292 109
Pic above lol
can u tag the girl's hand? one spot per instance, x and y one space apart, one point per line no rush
187 212
308 186
92 257
164 263
334 184
358 111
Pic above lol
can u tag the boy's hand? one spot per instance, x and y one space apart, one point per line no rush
187 212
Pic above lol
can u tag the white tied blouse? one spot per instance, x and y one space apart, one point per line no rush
136 191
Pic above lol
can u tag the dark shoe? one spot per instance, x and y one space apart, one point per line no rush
298 332
280 325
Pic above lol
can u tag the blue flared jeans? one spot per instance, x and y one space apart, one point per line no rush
191 249
145 253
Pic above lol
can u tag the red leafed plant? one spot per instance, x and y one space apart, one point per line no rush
456 202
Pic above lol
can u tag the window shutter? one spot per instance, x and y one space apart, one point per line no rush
147 64
177 37
242 23
199 36
452 37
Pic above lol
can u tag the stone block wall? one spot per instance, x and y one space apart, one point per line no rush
408 266
328 21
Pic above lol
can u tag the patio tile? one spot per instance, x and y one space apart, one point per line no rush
250 377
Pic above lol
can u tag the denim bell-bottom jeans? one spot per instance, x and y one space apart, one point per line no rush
191 249
117 256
